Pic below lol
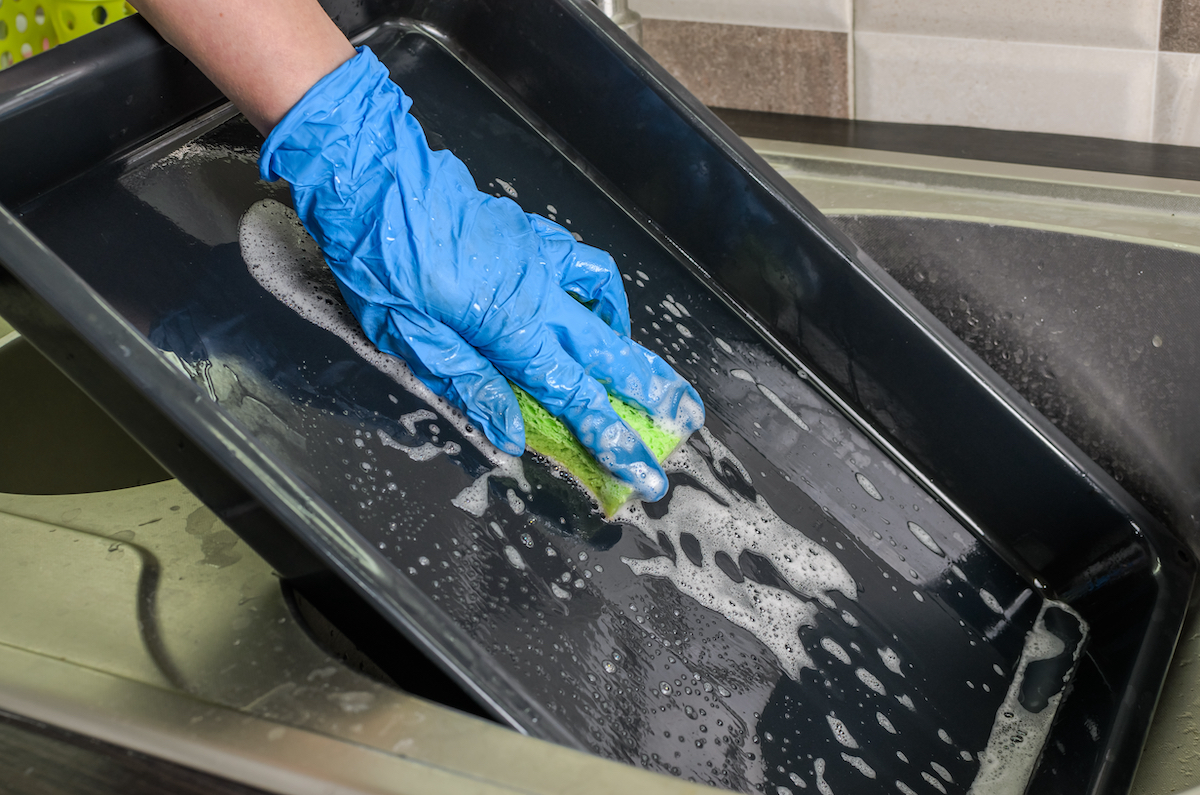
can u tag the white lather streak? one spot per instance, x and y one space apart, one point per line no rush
1018 735
287 262
772 615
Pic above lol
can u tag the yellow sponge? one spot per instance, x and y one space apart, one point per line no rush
547 435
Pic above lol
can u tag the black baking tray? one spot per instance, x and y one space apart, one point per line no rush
949 522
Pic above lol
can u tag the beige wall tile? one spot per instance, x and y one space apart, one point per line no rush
806 14
754 68
1008 86
1180 25
1177 99
1129 24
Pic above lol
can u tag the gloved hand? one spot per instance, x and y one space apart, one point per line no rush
465 287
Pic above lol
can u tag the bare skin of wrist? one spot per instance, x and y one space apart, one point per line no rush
263 54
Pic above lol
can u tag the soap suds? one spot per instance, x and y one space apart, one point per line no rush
474 498
859 765
287 262
885 723
870 680
830 645
772 615
891 661
992 602
933 782
1018 734
507 187
841 733
514 557
923 536
410 420
822 785
779 404
868 486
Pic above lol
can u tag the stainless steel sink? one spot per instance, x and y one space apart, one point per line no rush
56 440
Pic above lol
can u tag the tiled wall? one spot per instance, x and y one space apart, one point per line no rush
1126 69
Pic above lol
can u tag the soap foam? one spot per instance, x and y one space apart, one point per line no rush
841 733
1018 735
868 486
474 498
992 602
423 453
926 539
859 765
772 615
933 782
870 680
783 407
885 723
287 262
830 645
514 557
410 420
891 661
507 187
819 769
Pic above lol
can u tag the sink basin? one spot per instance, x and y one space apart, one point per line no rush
55 439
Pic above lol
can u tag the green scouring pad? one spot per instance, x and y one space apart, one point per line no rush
547 435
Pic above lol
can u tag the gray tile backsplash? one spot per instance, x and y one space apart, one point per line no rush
1105 68
1180 31
750 67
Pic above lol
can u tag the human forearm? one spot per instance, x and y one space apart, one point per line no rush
263 55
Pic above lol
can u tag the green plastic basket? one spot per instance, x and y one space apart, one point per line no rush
73 18
30 27
26 29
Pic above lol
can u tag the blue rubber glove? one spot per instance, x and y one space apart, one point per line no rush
464 286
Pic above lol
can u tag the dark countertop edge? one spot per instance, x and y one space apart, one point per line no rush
36 757
1002 146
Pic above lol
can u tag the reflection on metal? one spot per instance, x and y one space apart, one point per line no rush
619 12
841 181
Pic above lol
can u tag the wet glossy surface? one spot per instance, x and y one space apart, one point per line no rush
1102 336
893 654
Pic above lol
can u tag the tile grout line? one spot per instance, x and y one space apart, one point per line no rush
851 89
1154 114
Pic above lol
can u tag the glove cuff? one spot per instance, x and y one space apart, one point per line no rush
329 113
